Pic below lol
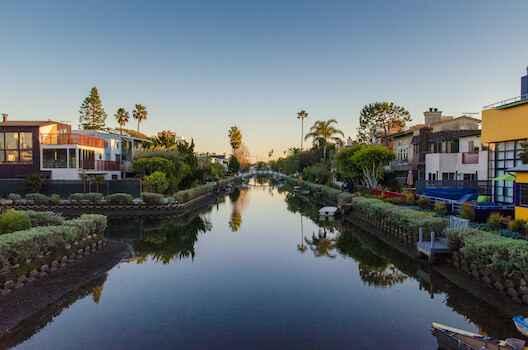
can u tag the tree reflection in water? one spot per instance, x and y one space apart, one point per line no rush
170 240
301 247
239 199
322 245
373 269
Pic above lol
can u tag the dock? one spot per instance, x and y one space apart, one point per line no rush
433 248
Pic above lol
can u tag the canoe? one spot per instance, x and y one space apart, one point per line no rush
521 325
449 338
328 211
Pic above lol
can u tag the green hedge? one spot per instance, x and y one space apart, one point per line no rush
505 256
44 218
120 198
38 198
198 191
406 220
14 220
152 198
18 247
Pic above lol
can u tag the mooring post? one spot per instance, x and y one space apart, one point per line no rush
432 240
420 235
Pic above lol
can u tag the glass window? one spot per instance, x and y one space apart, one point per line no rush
523 194
2 140
12 156
26 140
54 158
2 156
73 158
11 140
26 156
510 145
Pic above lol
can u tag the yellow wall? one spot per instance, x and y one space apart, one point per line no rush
521 212
505 124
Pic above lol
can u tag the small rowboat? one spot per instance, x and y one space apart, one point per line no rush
328 211
455 339
521 324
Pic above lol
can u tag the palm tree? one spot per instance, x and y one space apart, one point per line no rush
323 132
140 113
235 138
122 117
270 153
301 115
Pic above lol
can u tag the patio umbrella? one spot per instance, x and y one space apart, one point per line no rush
505 177
410 179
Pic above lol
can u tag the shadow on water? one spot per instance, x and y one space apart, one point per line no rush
33 324
381 266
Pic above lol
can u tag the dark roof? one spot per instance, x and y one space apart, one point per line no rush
27 123
447 135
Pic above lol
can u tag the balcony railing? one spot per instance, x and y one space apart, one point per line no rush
506 102
71 139
99 165
470 158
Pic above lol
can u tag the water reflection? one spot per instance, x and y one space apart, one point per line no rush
238 197
36 322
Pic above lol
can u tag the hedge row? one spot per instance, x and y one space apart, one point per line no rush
331 193
404 220
504 256
21 246
195 192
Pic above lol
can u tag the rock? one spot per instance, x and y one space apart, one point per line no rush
4 292
64 259
19 285
449 261
9 284
33 273
62 264
523 290
53 268
31 279
486 280
475 274
517 300
22 279
42 273
498 286
463 262
473 267
68 247
522 282
456 265
525 299
87 252
73 255
465 268
509 284
79 251
44 268
89 237
75 243
55 263
28 261
512 292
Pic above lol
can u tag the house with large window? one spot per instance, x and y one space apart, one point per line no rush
52 150
505 127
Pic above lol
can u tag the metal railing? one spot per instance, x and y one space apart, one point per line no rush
483 186
71 139
99 165
505 102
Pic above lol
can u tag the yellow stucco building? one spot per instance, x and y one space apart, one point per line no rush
504 128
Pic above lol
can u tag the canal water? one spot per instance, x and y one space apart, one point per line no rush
258 269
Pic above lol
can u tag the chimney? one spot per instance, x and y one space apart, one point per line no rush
4 117
432 116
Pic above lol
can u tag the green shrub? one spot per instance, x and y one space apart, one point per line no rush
120 198
14 220
44 218
14 196
76 197
152 198
467 211
34 182
441 208
423 202
195 192
496 219
54 198
93 196
157 181
409 199
37 198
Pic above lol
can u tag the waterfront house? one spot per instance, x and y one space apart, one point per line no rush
504 127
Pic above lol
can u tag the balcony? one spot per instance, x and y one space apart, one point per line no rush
71 139
99 165
470 157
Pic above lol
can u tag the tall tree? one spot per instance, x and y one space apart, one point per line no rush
270 153
301 115
323 132
122 117
140 113
92 114
377 120
235 138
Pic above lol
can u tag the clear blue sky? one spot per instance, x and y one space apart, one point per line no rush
201 67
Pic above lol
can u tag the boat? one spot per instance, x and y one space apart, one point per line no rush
455 339
521 324
328 211
305 192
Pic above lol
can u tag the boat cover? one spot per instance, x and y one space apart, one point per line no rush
451 193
